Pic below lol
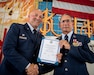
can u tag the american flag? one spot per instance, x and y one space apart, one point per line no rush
78 8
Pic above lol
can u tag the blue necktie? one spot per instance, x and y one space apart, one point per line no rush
34 31
66 37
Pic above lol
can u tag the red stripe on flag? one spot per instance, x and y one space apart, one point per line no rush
81 2
72 13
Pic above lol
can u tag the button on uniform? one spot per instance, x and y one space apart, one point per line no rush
41 64
65 60
66 53
66 69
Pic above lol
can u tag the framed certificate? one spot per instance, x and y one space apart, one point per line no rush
48 51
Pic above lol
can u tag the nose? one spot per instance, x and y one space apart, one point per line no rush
65 22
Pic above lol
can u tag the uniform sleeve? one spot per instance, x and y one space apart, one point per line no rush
83 52
10 49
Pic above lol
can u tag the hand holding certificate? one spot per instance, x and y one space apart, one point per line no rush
48 50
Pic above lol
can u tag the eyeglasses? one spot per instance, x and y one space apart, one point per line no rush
67 21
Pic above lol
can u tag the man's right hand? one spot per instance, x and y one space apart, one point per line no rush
65 44
32 69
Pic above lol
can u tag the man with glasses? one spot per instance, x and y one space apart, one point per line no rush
74 48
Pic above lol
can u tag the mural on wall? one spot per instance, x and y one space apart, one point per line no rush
15 11
48 23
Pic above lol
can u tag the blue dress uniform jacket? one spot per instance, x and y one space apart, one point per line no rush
20 48
74 60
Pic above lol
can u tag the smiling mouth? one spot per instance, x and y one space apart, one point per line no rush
37 21
65 27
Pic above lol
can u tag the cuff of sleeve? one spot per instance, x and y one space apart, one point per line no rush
27 66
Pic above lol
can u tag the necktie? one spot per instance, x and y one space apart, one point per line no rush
66 37
35 35
34 31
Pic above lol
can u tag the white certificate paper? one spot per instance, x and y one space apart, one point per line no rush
48 51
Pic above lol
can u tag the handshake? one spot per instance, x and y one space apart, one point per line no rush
33 68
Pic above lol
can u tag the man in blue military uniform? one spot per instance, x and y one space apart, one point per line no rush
74 48
21 47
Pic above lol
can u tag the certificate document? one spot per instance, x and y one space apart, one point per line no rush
48 51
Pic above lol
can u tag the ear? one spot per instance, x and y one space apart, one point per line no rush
72 23
29 16
59 25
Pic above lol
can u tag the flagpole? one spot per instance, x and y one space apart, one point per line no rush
75 25
88 26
